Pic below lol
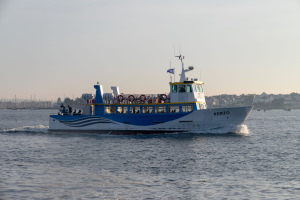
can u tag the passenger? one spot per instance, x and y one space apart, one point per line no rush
70 109
74 113
63 109
79 112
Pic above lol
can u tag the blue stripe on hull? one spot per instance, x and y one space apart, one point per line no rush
144 119
132 119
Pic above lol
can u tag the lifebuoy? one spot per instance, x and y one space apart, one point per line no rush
120 98
163 97
142 98
131 98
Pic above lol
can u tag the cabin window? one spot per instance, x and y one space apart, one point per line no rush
107 109
197 88
188 88
186 108
182 88
110 109
194 88
147 109
160 109
134 110
174 88
122 110
201 88
174 109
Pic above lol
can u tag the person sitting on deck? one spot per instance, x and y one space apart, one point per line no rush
62 109
70 109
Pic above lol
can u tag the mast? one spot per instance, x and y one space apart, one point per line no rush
182 76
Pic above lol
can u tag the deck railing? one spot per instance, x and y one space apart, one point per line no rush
136 99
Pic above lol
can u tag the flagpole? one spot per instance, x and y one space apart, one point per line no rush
170 73
174 75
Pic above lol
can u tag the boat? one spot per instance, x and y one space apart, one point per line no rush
182 110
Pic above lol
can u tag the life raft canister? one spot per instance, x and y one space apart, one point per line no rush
120 98
142 98
131 98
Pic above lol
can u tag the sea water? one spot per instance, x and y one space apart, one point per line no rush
261 162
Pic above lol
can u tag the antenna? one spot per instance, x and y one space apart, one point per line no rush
174 50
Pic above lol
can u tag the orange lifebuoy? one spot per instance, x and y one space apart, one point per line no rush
142 98
131 98
120 98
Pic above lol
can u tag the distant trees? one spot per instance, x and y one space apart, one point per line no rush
68 101
59 100
77 103
278 103
275 104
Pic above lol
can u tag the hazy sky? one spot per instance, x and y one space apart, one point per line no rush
51 49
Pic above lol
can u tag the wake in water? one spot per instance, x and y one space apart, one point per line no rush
243 130
28 129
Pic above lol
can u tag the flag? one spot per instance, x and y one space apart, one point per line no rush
171 71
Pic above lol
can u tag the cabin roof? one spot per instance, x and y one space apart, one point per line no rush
187 82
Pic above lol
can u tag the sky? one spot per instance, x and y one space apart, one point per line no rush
51 49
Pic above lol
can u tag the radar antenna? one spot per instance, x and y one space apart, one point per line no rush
190 68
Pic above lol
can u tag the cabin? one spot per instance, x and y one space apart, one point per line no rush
183 97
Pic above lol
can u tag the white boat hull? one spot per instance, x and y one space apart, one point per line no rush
207 121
